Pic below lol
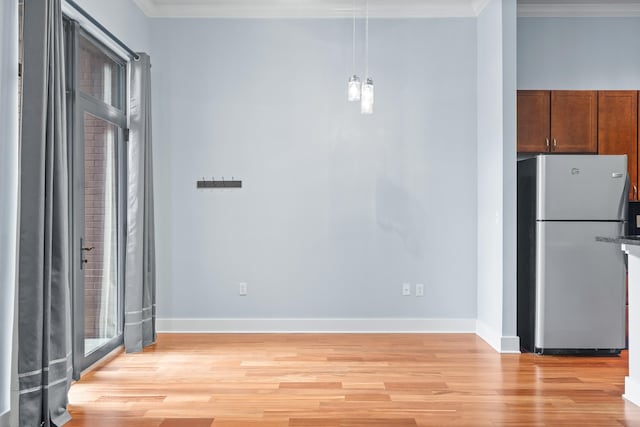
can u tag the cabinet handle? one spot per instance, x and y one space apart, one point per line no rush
635 192
555 144
547 139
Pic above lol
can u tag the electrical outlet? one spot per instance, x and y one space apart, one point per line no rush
242 289
419 289
406 289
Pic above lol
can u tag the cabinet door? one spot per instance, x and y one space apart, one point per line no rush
533 121
574 119
618 129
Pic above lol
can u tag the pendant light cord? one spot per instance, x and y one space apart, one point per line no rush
366 41
353 51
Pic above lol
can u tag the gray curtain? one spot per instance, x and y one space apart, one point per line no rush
44 338
140 278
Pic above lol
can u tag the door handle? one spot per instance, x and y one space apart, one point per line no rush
555 144
83 260
547 140
635 192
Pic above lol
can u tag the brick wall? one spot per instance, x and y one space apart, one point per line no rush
100 272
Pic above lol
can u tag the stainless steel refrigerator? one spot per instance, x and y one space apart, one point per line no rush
571 288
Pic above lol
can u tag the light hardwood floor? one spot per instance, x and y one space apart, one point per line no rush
348 380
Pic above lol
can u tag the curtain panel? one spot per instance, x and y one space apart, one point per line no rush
44 328
140 279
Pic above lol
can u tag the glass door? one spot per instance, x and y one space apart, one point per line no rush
99 246
97 116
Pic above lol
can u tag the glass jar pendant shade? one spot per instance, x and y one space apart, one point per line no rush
366 102
354 88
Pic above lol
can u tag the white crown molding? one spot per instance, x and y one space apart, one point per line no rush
578 10
478 6
148 7
390 9
308 9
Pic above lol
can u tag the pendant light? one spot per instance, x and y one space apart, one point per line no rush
366 98
353 91
366 103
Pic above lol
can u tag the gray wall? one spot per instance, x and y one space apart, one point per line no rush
496 175
579 53
337 209
9 152
122 18
510 341
490 163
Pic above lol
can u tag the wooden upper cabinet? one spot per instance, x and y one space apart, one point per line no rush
618 130
534 121
574 121
557 121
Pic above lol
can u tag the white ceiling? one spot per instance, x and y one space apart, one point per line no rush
377 8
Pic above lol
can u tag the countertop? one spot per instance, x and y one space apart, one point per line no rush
627 240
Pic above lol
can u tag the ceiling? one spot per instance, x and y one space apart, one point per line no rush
377 8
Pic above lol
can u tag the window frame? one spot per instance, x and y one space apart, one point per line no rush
79 103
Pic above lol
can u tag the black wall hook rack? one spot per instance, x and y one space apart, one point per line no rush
219 183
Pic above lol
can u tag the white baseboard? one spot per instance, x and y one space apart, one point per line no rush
392 325
510 344
631 390
501 343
